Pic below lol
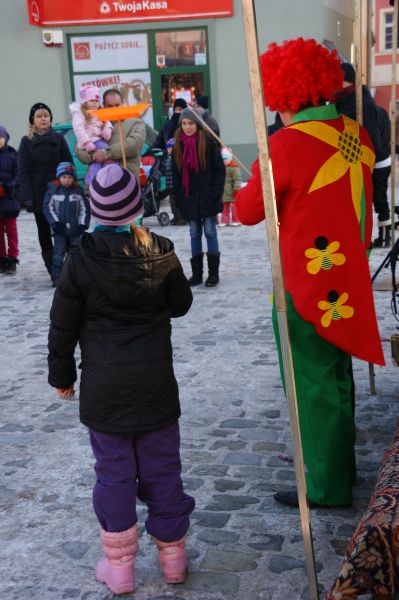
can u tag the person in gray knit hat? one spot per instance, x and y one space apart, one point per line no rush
118 290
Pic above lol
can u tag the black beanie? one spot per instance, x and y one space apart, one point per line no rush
349 72
179 103
203 101
36 107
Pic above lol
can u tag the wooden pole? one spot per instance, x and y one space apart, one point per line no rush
122 144
205 126
278 283
393 116
357 44
357 41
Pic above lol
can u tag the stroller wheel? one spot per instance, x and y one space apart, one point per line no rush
163 218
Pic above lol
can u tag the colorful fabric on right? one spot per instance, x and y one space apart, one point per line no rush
371 563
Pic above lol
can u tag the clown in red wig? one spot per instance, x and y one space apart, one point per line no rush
322 165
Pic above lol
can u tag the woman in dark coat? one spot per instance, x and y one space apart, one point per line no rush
39 154
198 175
117 292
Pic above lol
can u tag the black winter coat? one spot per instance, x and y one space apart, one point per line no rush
116 299
206 186
37 164
167 132
66 205
9 205
347 106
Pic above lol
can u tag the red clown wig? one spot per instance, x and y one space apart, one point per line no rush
298 74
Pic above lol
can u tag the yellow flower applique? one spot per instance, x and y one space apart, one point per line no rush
335 308
349 156
323 256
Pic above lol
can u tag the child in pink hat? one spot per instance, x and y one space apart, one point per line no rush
91 133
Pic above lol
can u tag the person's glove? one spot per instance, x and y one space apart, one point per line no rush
235 194
81 229
58 228
106 133
89 147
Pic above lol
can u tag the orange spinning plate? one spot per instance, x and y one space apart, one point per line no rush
119 113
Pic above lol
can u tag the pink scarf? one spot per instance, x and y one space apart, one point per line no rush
190 158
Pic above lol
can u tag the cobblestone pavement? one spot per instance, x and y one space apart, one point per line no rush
235 444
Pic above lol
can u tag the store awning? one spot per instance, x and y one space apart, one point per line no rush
48 13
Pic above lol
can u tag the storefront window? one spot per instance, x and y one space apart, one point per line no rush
181 85
181 48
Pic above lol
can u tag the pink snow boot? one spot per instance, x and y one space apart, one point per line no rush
173 559
116 569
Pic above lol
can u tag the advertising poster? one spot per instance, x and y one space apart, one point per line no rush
135 88
109 52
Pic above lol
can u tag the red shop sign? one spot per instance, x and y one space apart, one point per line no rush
51 13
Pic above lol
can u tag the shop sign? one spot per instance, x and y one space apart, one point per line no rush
109 52
93 12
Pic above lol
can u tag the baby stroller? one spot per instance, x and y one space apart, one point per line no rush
153 186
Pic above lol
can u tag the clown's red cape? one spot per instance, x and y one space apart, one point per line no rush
322 165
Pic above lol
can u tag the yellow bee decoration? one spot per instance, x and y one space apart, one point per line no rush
335 308
323 256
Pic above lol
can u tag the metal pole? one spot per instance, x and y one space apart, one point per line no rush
278 283
393 116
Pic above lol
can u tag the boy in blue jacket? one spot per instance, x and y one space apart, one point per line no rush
67 213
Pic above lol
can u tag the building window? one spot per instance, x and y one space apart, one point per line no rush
387 30
181 48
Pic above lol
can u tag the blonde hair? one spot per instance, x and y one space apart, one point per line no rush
41 112
85 111
88 116
141 235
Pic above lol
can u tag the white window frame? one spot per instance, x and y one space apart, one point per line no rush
383 27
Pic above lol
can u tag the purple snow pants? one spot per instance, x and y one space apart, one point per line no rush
148 467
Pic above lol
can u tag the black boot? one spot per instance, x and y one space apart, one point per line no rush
47 256
378 242
384 235
387 239
213 268
197 267
11 265
3 264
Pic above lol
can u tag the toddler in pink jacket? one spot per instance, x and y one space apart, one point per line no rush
91 133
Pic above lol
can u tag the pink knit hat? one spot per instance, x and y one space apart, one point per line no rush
89 92
115 196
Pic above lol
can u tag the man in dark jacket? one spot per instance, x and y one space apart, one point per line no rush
202 106
377 123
